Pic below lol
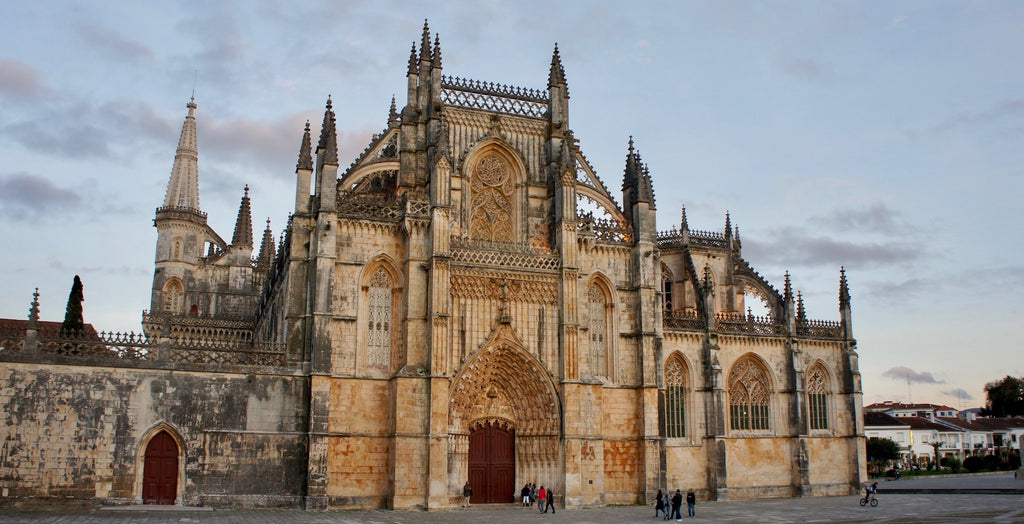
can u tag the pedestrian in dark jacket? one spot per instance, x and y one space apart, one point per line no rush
691 501
677 502
551 501
659 504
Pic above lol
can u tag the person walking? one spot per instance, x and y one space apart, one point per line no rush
533 493
525 494
541 498
551 501
659 504
677 502
467 492
691 501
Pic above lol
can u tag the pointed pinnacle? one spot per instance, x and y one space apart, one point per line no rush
844 289
684 226
412 60
556 77
305 151
33 310
425 44
787 290
728 225
392 113
437 51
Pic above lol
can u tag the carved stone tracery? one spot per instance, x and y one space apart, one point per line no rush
493 187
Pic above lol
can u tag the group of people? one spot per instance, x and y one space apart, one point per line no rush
663 503
545 498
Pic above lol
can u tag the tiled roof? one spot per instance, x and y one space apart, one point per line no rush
875 419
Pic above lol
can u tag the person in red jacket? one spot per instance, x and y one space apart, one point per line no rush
541 496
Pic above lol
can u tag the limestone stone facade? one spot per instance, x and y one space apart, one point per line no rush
466 301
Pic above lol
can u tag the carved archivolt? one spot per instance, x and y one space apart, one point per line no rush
503 382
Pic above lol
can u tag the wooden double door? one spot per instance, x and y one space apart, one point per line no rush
492 464
160 471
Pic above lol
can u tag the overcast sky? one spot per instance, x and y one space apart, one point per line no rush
885 137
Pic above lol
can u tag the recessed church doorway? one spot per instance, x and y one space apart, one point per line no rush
160 470
492 463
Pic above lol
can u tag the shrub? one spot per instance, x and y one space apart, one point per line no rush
991 462
973 464
952 463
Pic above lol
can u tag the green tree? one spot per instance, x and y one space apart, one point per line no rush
73 323
1005 398
882 451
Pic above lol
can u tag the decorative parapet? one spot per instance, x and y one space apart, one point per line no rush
748 324
180 213
527 255
604 229
109 348
375 208
488 96
819 329
683 320
708 239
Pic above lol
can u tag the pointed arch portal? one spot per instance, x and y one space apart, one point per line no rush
160 471
503 421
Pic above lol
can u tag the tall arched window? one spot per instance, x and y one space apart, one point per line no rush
378 333
493 186
177 249
817 397
749 396
675 398
597 309
174 297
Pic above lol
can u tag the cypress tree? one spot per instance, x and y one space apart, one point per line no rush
73 323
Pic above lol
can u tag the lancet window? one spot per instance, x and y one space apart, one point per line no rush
598 330
174 297
749 396
675 398
379 319
493 186
817 397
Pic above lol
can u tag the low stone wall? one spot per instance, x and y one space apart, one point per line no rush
79 433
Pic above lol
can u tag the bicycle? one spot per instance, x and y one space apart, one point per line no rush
866 500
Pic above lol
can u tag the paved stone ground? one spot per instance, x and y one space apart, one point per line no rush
893 508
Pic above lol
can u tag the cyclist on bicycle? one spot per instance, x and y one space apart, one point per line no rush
871 491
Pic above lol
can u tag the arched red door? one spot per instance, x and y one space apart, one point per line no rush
492 464
160 471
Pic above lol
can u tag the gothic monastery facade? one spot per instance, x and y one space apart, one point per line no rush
466 301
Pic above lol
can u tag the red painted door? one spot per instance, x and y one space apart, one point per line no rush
160 472
492 464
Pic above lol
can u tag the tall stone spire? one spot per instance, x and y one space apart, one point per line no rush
183 188
243 224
